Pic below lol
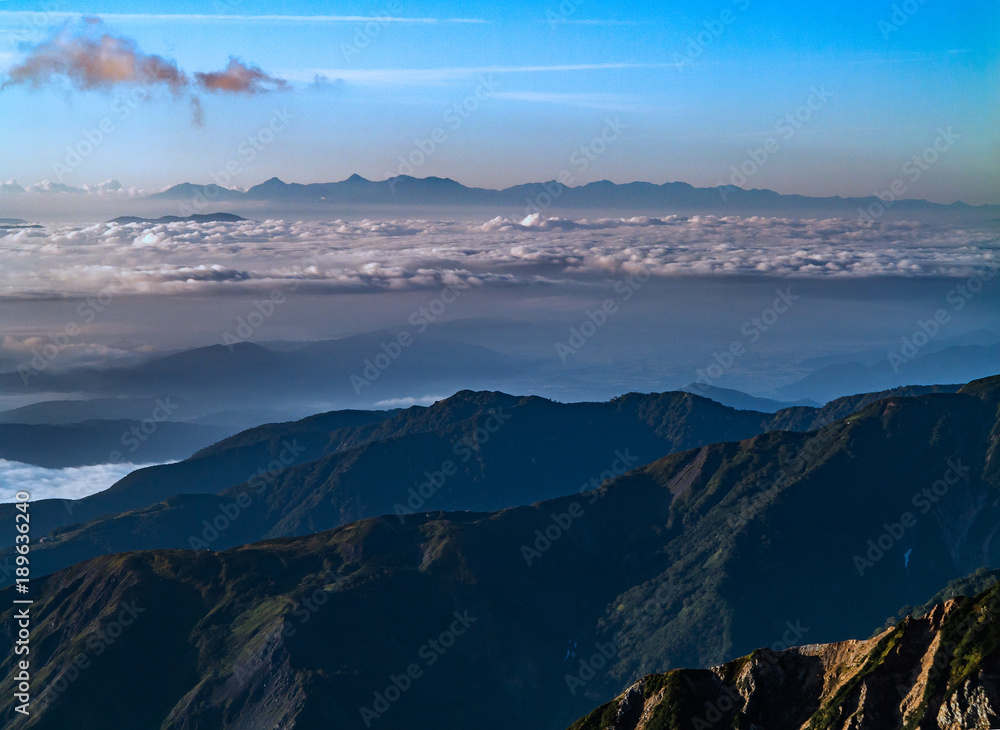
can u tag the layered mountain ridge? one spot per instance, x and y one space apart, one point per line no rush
327 470
542 612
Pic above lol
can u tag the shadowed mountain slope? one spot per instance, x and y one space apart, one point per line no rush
295 478
538 613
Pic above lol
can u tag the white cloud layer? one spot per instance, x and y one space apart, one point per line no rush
369 255
425 400
72 483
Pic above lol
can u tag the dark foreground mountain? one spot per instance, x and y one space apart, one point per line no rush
937 672
474 451
530 617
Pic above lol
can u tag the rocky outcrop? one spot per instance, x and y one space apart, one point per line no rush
940 672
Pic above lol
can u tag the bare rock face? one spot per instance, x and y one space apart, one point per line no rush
631 707
974 705
939 672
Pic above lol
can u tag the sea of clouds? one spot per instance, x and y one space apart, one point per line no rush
378 255
70 483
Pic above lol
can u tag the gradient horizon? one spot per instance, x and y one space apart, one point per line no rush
510 94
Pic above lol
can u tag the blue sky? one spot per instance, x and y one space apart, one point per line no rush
549 76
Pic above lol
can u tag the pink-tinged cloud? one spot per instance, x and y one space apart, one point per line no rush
94 61
239 78
89 58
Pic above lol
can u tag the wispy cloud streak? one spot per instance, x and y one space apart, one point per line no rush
415 76
18 15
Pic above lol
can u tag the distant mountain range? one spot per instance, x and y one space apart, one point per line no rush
532 197
538 197
528 616
959 363
743 402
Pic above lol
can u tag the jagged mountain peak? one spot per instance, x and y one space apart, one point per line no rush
937 672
